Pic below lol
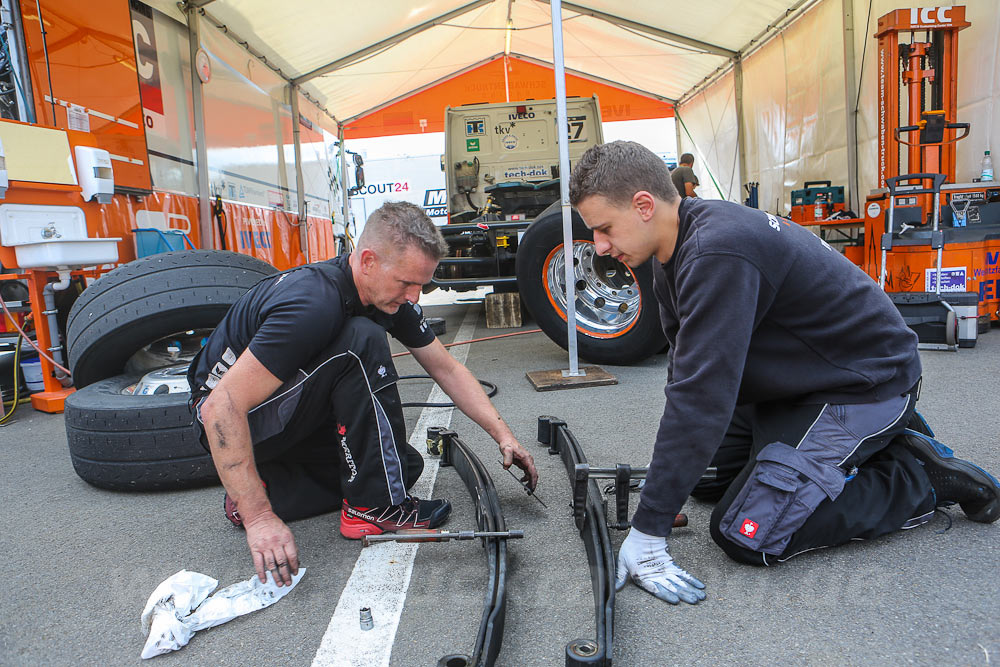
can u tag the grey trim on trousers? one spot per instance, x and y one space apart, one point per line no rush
812 476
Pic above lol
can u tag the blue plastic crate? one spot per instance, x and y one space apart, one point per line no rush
150 241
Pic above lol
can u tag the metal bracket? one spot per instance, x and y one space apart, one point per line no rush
593 528
622 473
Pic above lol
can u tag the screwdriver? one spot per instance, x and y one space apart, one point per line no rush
529 490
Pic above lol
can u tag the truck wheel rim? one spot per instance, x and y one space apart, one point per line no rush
608 302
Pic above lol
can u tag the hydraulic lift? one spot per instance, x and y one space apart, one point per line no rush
932 243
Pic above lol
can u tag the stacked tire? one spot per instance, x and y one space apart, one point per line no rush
122 441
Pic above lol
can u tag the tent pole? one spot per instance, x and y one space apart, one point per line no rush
740 134
344 190
851 90
562 136
201 148
677 132
506 77
300 194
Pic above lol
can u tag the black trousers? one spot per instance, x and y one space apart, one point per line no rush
336 430
792 478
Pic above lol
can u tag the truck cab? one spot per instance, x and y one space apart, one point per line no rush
504 228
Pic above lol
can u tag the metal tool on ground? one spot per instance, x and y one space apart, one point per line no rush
367 622
623 474
530 491
433 535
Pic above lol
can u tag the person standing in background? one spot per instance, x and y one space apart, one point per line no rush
683 177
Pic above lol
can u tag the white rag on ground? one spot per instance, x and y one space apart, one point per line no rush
168 619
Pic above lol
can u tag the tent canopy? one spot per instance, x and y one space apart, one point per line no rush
423 111
353 60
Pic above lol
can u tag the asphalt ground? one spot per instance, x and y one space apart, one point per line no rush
81 561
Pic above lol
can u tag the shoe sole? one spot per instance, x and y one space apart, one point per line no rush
940 455
357 529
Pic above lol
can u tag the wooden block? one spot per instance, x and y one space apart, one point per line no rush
437 325
551 380
503 310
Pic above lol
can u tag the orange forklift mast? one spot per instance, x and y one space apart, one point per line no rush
927 70
940 243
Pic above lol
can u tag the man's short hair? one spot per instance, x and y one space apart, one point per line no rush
616 171
687 158
400 224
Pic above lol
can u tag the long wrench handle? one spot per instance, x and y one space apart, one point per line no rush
419 535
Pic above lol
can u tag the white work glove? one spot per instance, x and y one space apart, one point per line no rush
645 559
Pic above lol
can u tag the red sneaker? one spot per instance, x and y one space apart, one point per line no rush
356 522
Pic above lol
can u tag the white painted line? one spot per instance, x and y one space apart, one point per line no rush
382 572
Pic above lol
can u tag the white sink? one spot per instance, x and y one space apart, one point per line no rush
53 237
66 254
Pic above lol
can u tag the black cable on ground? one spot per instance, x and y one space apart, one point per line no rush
490 393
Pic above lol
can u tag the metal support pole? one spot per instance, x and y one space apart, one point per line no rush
300 194
740 133
851 91
343 181
562 136
677 133
201 147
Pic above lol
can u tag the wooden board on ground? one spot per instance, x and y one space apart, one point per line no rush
551 380
503 310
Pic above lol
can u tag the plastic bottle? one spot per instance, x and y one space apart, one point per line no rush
987 173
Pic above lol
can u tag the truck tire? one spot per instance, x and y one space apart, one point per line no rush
124 442
149 299
617 319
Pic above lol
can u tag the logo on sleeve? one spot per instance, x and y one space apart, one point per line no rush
381 371
749 528
774 222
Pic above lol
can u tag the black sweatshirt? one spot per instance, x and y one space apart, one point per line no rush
758 309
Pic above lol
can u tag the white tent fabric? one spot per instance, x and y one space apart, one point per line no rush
653 46
707 129
351 60
796 112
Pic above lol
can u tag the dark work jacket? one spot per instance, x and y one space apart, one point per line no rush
758 309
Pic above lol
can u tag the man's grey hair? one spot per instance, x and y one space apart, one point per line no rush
687 158
399 225
616 171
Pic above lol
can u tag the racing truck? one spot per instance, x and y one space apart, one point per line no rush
504 230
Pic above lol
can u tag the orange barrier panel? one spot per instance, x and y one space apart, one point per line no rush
424 111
